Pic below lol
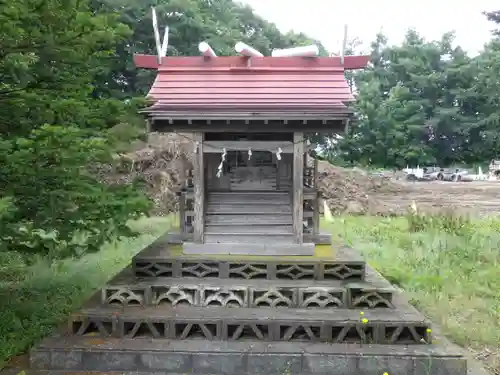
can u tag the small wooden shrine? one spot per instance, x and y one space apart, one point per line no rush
251 190
210 299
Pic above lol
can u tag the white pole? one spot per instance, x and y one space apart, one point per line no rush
246 50
206 50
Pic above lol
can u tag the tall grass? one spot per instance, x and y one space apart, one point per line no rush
449 266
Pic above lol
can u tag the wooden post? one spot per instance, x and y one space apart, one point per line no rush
279 164
316 199
298 187
182 212
199 190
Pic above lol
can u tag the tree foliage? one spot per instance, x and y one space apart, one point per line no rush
426 102
69 95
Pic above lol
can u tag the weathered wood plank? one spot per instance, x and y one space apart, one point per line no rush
298 186
249 249
263 238
247 209
257 230
246 193
199 189
283 198
271 219
271 146
247 202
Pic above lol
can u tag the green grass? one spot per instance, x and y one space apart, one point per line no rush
453 278
34 300
451 275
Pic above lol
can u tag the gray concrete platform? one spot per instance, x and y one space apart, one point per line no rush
164 259
145 356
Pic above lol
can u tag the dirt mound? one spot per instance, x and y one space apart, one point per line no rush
161 162
353 190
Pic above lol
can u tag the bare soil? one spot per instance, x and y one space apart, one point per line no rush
476 197
354 191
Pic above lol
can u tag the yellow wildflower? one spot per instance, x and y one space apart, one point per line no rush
364 320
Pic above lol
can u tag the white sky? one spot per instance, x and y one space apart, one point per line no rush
324 19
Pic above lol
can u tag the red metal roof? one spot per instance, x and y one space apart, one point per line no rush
237 83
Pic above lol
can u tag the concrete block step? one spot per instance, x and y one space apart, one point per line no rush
161 258
259 230
125 289
235 219
78 355
402 325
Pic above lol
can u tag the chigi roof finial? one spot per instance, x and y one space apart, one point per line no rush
161 46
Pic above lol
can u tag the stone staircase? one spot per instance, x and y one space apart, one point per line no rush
171 313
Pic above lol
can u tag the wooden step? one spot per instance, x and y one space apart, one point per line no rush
250 248
248 202
270 219
241 209
247 193
257 238
252 229
283 199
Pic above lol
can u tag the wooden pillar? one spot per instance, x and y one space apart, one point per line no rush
199 190
182 212
278 164
316 199
298 187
